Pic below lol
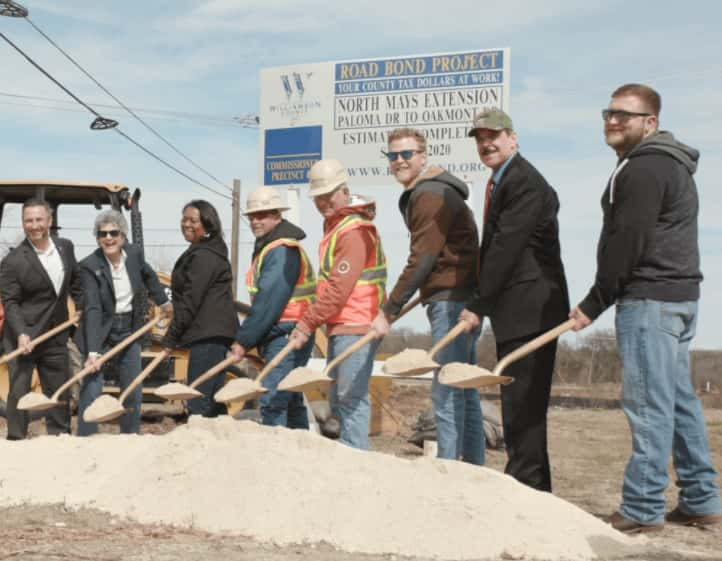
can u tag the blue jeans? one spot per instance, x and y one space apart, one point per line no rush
129 367
203 356
349 396
459 424
663 411
285 409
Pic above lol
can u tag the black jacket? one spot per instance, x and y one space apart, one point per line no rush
203 305
522 287
648 244
99 294
31 304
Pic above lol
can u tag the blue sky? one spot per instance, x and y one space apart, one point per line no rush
203 59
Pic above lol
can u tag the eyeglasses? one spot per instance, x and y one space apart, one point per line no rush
106 233
620 115
406 155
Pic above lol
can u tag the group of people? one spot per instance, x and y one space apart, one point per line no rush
647 266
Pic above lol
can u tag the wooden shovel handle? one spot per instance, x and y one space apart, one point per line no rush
165 353
366 338
275 361
208 374
533 345
106 357
44 337
458 329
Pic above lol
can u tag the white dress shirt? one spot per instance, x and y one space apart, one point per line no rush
121 286
52 263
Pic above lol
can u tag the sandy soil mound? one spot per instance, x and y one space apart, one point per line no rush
288 487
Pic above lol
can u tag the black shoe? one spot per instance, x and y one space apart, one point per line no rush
628 526
701 520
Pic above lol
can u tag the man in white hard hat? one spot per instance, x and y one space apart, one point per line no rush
282 285
350 292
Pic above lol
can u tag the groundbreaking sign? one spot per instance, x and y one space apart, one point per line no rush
344 110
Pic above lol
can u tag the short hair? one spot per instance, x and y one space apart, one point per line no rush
651 98
111 217
407 132
209 217
37 202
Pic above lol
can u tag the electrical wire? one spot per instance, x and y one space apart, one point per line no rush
124 106
94 112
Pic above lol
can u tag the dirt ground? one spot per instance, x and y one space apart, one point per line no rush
588 446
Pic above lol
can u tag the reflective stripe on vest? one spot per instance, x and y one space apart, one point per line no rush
304 291
369 293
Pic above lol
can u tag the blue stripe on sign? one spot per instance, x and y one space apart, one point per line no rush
290 153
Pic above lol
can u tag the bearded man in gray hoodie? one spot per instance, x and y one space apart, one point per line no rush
648 265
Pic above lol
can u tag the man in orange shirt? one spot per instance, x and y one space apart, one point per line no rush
351 289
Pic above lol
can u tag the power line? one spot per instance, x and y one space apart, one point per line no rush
103 123
124 106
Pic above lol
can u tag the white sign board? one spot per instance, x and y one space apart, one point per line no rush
344 110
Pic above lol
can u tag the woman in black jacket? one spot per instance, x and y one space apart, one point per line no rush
204 318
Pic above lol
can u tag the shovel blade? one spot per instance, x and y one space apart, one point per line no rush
35 401
460 375
302 379
240 388
176 391
104 409
409 362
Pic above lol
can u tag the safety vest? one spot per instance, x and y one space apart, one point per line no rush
304 292
369 293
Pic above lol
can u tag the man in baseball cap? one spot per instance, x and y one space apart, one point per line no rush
282 285
521 289
350 292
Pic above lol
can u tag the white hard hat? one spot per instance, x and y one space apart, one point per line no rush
264 198
325 176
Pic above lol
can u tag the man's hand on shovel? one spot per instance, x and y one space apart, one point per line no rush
581 319
298 338
380 326
471 320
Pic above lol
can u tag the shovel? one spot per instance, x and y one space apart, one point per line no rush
467 376
303 379
177 391
44 337
412 362
35 401
106 407
245 388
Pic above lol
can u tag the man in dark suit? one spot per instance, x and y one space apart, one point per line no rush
115 279
522 289
35 280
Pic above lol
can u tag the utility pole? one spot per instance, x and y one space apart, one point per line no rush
235 232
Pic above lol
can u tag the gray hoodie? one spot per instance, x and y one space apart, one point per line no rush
648 244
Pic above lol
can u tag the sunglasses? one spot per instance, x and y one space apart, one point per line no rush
406 155
105 233
620 115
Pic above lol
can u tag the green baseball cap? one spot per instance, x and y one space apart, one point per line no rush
492 119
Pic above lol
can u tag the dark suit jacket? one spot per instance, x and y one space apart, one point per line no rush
522 287
31 304
100 295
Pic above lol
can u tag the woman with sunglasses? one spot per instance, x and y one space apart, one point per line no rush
115 279
204 317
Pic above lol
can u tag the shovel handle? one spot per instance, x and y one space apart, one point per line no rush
533 345
208 374
44 337
458 329
275 361
366 338
106 357
165 353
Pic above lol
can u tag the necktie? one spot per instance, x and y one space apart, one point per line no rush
487 196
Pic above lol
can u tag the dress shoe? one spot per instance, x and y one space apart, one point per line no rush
624 524
678 517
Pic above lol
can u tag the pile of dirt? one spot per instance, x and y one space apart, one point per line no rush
284 487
